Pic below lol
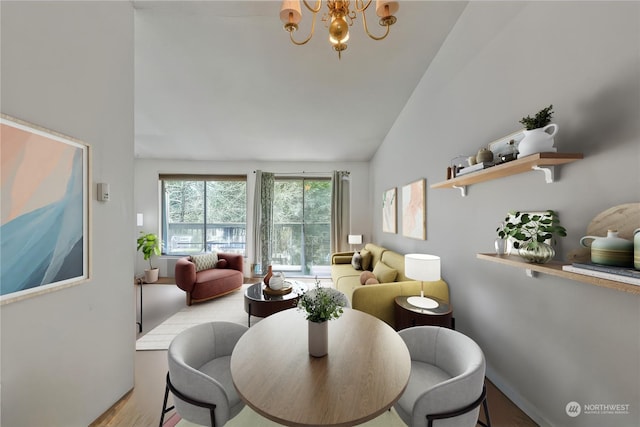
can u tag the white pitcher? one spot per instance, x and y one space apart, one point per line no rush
538 141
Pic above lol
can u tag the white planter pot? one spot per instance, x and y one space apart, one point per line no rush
318 338
538 141
151 276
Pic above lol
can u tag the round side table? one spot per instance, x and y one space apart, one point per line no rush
407 315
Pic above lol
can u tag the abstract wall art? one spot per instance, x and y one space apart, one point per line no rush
389 209
44 228
413 210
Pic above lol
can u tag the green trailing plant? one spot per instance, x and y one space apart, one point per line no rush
149 245
541 119
528 230
320 304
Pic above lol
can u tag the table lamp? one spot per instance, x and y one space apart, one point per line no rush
425 268
355 239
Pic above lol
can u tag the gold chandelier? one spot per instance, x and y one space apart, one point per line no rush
337 19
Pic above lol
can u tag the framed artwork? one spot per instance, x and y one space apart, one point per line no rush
44 228
389 211
414 219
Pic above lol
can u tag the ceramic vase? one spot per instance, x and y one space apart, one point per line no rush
610 250
538 140
268 276
318 338
541 254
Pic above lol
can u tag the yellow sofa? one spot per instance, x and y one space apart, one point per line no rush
378 299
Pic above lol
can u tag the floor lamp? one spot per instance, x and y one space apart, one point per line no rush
425 268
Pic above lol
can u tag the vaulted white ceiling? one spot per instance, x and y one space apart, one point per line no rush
220 80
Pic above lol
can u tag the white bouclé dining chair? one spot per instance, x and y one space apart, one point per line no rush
199 374
446 385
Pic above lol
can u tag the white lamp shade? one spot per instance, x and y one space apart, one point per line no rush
423 267
355 239
382 12
290 12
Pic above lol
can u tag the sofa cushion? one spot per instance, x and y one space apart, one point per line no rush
356 261
371 281
205 261
222 263
366 259
384 273
366 275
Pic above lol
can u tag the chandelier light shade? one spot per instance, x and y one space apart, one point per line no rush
338 18
425 268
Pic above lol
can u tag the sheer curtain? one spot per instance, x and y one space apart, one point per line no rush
339 211
263 218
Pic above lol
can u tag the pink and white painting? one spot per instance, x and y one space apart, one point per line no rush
44 210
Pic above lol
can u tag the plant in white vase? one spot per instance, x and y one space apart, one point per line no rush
149 245
531 232
538 133
320 305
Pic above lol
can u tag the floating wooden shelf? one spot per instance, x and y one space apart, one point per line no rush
541 161
554 268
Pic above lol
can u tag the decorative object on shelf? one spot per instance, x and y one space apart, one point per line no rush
389 211
414 210
501 242
538 134
337 19
610 250
425 268
531 233
636 248
484 156
320 305
471 160
268 276
149 245
510 152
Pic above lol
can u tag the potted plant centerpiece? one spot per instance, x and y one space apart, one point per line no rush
530 233
149 245
538 133
320 305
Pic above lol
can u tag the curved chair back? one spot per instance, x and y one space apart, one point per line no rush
199 368
461 363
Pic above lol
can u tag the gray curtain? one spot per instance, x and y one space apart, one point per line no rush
340 215
263 218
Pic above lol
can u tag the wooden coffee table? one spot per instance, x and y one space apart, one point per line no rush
364 373
260 304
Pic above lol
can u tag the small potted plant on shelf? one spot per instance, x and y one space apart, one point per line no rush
149 245
531 232
320 305
538 134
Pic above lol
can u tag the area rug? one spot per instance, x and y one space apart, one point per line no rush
228 308
249 418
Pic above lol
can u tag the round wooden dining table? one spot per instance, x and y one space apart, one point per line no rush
364 373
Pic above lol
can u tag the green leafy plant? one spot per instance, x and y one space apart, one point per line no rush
530 229
541 119
149 245
320 304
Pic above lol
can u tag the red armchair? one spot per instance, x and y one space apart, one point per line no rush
207 284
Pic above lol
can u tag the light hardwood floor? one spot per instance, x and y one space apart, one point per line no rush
142 406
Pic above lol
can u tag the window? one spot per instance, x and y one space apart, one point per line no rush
203 214
302 225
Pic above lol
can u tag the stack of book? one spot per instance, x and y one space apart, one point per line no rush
619 274
473 168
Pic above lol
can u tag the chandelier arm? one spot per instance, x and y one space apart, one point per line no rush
361 5
313 26
366 28
315 9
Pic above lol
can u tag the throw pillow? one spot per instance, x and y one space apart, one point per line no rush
365 275
222 263
356 261
384 273
205 261
366 259
371 281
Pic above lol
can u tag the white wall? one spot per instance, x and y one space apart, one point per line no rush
147 198
548 341
67 356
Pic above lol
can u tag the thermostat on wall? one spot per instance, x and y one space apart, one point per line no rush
103 192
